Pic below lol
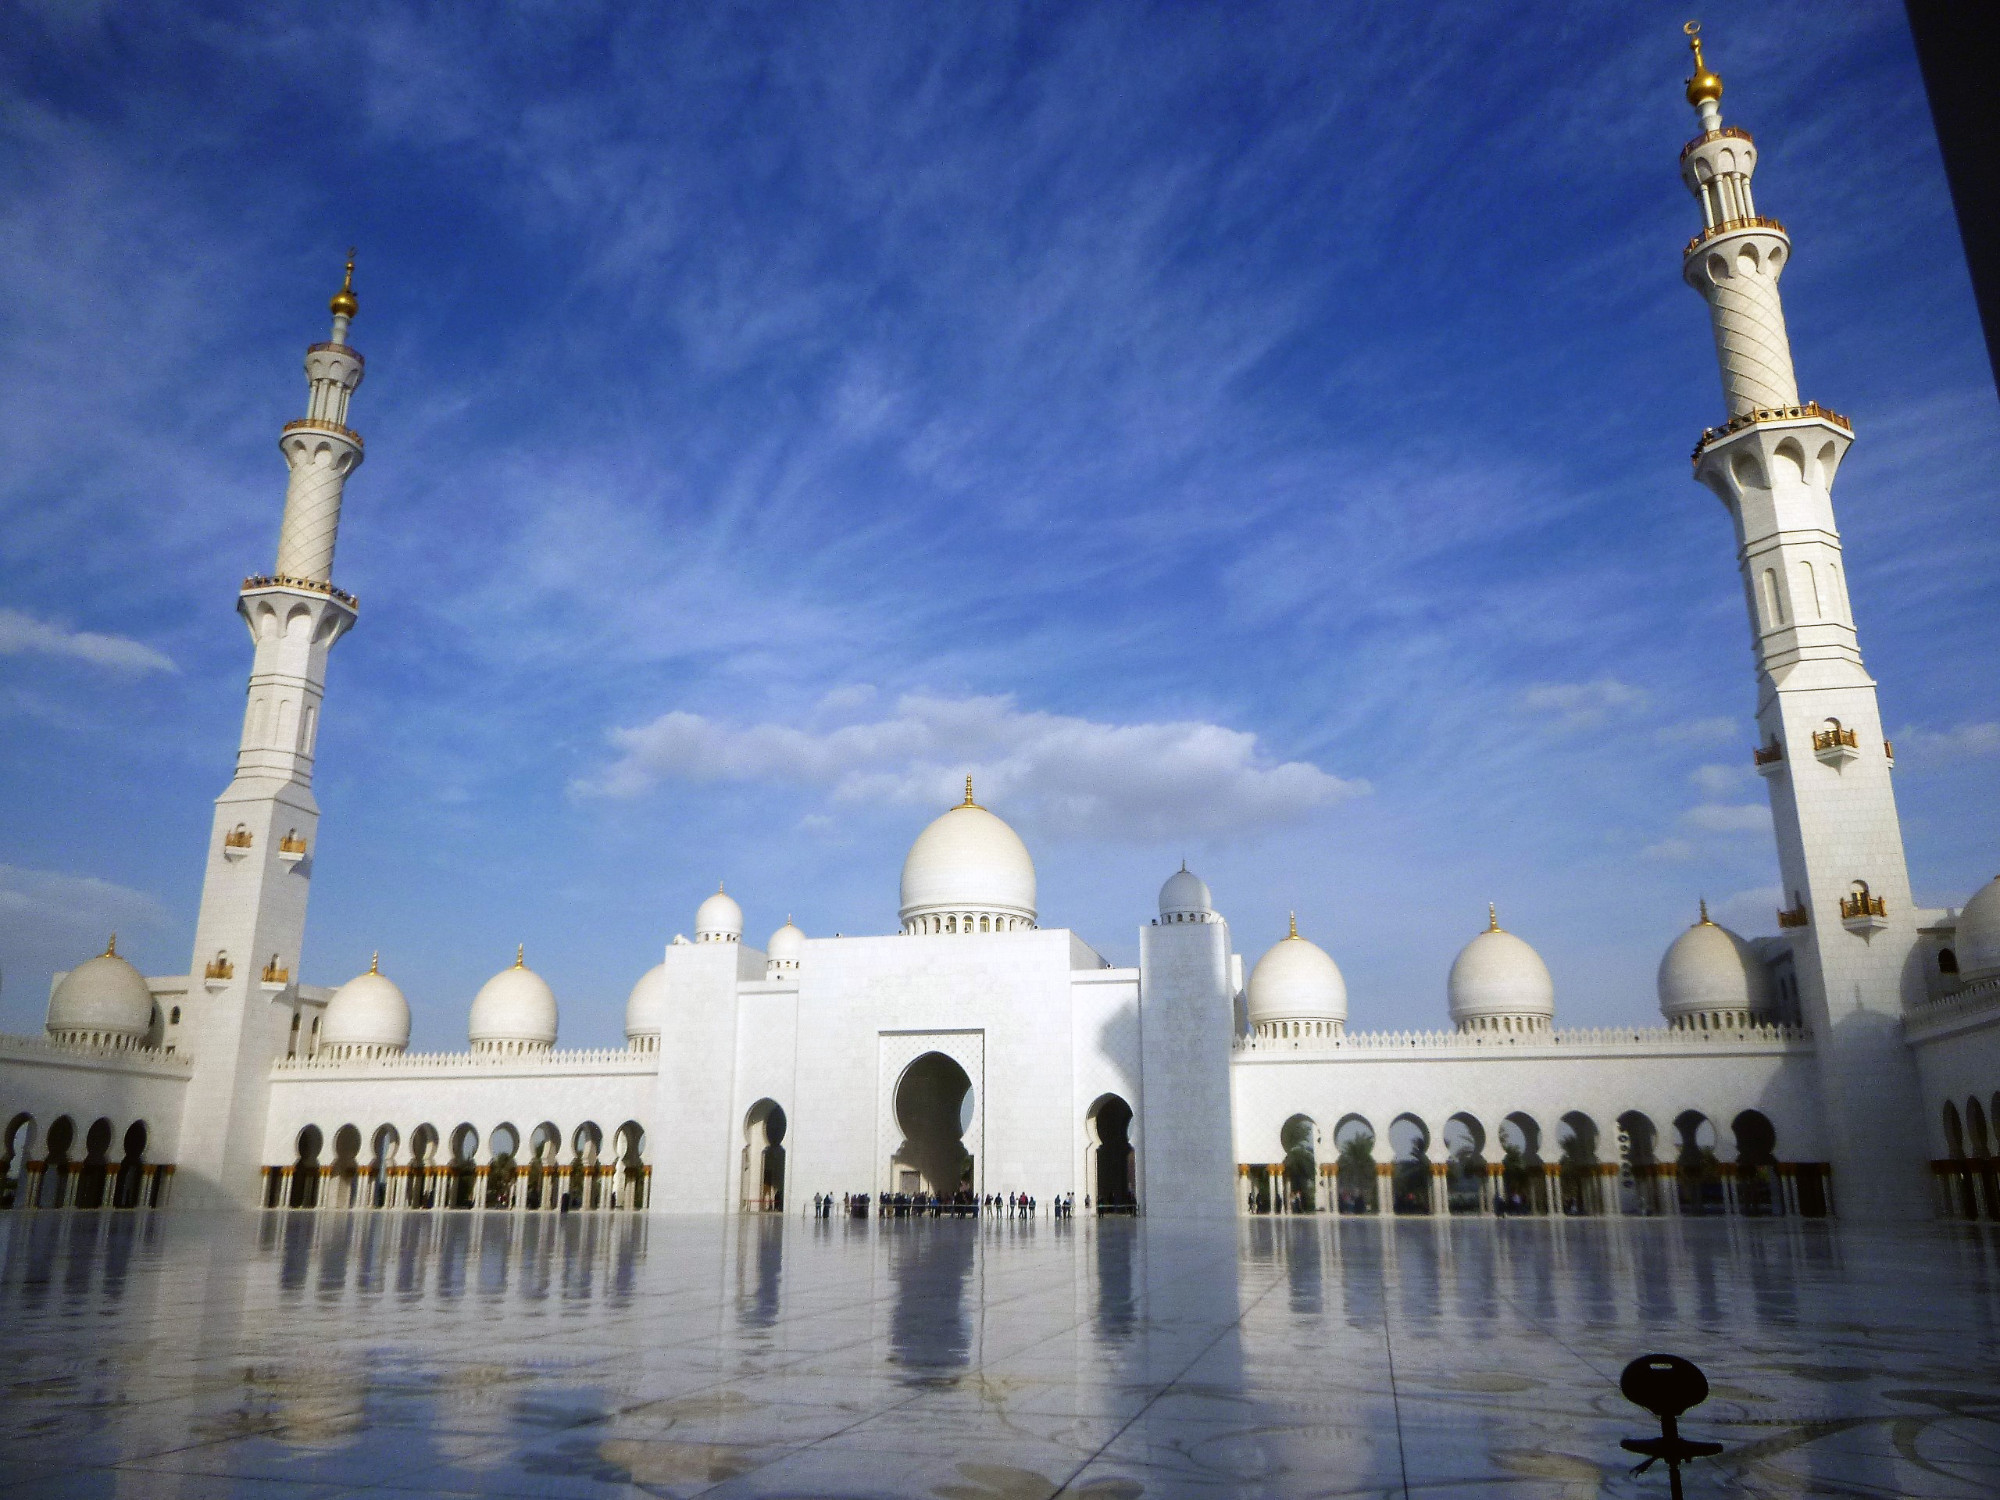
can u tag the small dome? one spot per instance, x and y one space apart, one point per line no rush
514 1011
1497 977
1977 943
968 863
718 919
1185 898
1709 970
646 1009
781 954
367 1011
103 999
1297 981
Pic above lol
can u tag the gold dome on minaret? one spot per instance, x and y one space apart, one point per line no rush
1704 87
344 303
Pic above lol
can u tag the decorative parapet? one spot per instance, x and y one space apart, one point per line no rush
310 585
1834 739
1766 757
1810 410
276 974
1729 132
1581 1038
588 1060
238 838
315 424
219 967
1975 1006
1732 226
355 354
146 1060
1798 916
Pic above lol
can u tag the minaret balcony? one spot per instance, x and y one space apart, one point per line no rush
1836 747
316 424
1732 226
291 848
1810 411
276 976
1889 754
1768 759
310 585
1862 912
237 843
1798 916
219 972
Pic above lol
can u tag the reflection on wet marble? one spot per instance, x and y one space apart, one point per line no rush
322 1355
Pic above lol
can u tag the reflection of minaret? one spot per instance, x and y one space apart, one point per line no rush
253 903
1847 891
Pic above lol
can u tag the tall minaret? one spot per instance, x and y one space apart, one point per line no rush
1848 913
243 992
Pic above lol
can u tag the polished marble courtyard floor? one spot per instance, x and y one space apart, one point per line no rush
321 1355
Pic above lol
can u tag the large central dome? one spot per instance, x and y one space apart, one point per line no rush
968 872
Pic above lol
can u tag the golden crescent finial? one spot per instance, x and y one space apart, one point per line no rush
968 792
520 955
344 303
1704 922
1704 86
1492 917
375 962
111 948
1295 924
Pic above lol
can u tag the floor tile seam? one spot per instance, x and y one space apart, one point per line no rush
1167 1386
793 1452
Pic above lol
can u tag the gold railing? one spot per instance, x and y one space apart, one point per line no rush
1733 132
1833 739
314 424
1889 750
1796 917
1800 413
276 973
291 843
315 585
238 838
219 968
1731 226
1768 755
1861 904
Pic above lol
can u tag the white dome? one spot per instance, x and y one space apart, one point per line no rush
1497 976
646 1009
1185 898
103 999
781 954
968 864
367 1011
514 1011
1296 981
718 919
1977 943
1709 970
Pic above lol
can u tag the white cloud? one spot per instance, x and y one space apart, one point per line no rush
1719 780
1716 731
1669 851
1938 746
1581 705
1751 911
1729 817
22 634
1061 773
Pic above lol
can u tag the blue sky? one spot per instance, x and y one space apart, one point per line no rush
1250 433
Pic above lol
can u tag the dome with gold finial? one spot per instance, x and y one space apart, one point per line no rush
1296 990
367 1016
344 303
968 872
1499 983
1710 978
718 919
103 1002
514 1011
1704 87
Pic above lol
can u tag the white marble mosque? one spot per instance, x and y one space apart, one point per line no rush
1846 1066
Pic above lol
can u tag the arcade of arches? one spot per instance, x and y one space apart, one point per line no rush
1968 1175
548 1173
97 1166
1518 1167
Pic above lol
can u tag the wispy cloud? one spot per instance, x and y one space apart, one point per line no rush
1568 706
1064 774
21 634
1937 747
1729 817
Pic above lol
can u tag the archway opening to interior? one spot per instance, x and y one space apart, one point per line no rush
764 1157
1113 1163
934 1110
1299 1138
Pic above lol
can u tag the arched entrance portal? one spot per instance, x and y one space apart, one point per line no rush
933 1110
1113 1174
764 1156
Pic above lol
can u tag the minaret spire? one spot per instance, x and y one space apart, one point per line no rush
1772 464
261 847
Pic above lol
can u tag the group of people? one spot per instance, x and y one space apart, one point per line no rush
931 1205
